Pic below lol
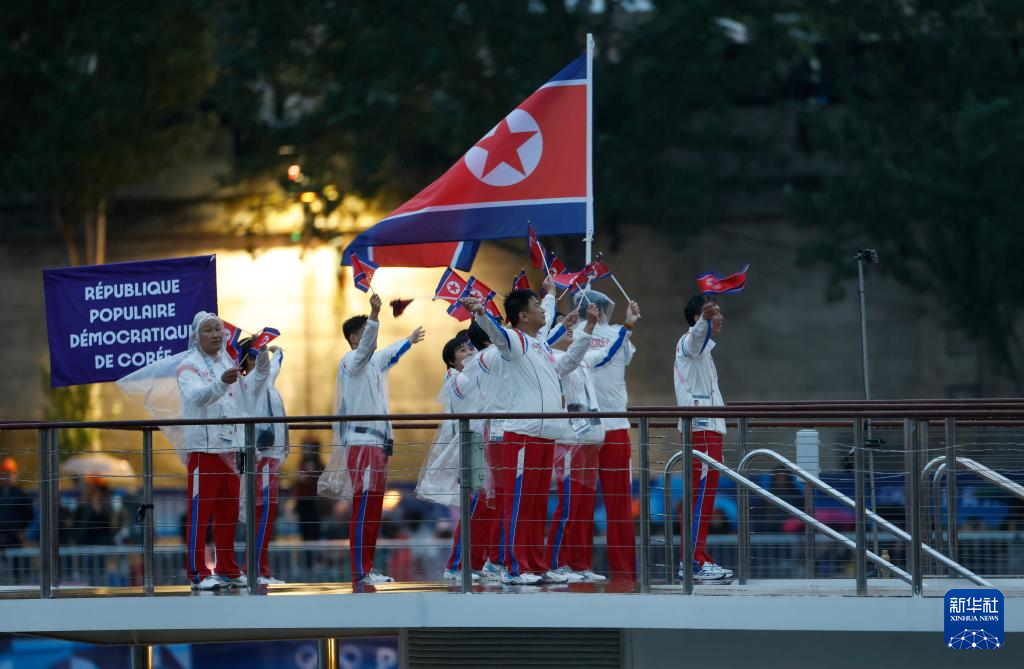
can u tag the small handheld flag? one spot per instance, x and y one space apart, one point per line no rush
541 258
450 287
398 307
265 336
521 282
234 334
362 272
477 289
713 284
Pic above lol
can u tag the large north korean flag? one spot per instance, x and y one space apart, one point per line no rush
530 168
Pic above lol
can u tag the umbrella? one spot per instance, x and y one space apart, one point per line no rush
118 472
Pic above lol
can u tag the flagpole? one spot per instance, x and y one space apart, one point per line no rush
590 145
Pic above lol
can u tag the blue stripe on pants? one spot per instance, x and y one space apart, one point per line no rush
512 526
457 563
696 514
357 559
567 495
193 531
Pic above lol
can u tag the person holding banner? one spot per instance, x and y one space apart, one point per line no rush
272 448
610 353
696 384
358 465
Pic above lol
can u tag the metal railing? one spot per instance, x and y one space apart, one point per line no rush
941 466
914 416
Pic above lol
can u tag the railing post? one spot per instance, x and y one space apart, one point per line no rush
912 482
809 534
142 657
952 514
465 502
327 654
743 513
686 511
45 500
252 562
859 493
148 521
54 512
670 562
645 506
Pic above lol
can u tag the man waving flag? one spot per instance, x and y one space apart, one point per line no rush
533 165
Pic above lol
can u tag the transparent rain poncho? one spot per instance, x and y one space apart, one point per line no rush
156 385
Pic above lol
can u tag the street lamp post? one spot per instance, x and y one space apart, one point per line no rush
867 256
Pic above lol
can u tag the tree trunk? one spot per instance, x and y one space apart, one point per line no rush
68 232
101 231
89 223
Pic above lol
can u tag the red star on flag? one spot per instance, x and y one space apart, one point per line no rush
503 147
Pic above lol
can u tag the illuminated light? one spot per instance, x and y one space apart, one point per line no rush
294 172
331 192
391 500
308 196
286 150
316 206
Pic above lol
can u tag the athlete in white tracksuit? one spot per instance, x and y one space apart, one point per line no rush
358 466
610 354
696 384
571 533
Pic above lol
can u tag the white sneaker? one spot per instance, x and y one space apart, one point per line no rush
570 575
705 574
555 577
727 573
269 580
375 578
493 571
456 575
591 576
208 583
522 579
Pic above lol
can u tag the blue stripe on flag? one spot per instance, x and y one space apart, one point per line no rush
577 69
475 223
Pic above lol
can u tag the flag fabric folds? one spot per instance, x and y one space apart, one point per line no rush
531 166
713 284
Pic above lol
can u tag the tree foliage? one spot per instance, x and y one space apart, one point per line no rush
926 153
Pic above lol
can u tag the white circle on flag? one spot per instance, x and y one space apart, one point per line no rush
529 152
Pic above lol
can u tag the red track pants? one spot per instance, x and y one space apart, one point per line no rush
614 469
705 486
523 482
212 491
368 467
571 535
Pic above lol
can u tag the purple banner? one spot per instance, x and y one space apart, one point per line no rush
104 321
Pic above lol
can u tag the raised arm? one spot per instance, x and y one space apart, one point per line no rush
354 364
511 343
580 345
388 357
620 348
696 340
